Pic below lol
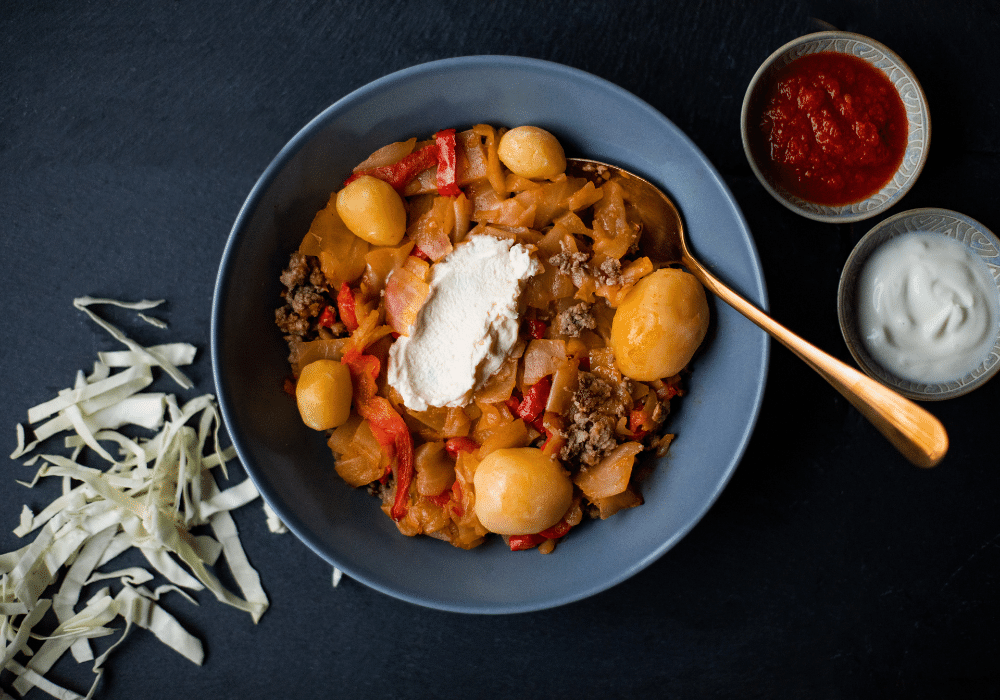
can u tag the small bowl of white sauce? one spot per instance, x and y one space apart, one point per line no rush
919 303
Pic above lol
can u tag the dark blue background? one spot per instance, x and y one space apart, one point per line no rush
131 132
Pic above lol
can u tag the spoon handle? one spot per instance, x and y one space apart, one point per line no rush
918 435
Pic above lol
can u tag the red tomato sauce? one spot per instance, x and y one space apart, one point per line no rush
834 127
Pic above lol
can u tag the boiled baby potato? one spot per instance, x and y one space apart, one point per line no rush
372 210
532 152
659 325
323 394
521 491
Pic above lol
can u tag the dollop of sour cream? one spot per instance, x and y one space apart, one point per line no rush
928 311
467 326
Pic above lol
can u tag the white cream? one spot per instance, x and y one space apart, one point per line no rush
466 327
928 308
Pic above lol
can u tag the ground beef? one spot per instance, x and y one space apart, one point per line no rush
609 272
592 392
594 415
306 301
574 320
579 268
589 438
291 324
572 264
306 294
297 272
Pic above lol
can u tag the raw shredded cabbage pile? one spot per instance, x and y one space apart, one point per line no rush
150 495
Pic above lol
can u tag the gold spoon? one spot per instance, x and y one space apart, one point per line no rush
917 434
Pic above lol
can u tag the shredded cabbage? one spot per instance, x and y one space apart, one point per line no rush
149 495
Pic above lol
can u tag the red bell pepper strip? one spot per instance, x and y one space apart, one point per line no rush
447 160
346 307
545 442
400 174
442 498
326 319
456 491
637 418
460 444
536 329
351 356
664 391
364 371
519 542
533 405
539 425
512 403
556 531
387 426
384 479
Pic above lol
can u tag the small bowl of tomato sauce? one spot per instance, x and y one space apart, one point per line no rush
835 126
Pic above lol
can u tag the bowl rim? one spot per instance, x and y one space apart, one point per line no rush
834 216
289 151
874 239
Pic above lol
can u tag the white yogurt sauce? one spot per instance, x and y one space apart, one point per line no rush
466 327
928 311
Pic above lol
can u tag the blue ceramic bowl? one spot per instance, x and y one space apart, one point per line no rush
291 464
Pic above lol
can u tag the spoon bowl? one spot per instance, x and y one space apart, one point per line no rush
917 434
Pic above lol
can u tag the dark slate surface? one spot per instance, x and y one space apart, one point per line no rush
130 133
